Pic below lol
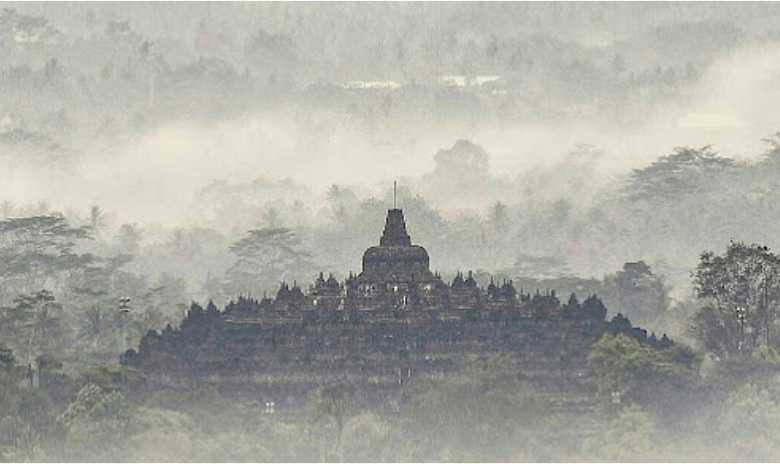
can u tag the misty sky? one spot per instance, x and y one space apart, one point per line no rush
149 102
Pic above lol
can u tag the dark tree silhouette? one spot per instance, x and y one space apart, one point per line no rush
740 291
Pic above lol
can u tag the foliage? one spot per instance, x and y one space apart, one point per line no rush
35 323
637 292
25 426
678 174
96 420
627 371
483 411
695 196
740 290
265 257
38 251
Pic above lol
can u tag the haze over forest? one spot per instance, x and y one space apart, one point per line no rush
551 144
184 117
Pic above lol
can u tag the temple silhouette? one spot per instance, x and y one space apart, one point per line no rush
396 282
395 320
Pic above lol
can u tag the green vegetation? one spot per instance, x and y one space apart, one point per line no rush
487 411
168 115
638 396
741 290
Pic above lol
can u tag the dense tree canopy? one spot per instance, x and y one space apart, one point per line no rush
37 252
741 290
681 173
264 258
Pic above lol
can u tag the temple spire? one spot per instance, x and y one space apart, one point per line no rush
395 230
394 188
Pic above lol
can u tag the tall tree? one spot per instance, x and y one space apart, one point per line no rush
638 293
36 323
741 291
266 256
38 252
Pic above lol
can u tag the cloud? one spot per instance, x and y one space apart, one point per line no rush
733 106
710 121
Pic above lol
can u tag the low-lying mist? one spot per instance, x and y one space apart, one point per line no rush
152 176
158 159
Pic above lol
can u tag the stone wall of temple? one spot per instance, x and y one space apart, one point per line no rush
379 329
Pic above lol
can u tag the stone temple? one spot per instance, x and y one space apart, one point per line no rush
394 271
395 260
396 276
394 320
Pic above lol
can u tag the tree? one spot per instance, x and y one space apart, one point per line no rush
628 371
485 409
37 252
266 256
25 418
685 171
95 323
166 300
96 421
640 294
740 291
9 376
463 161
92 299
36 321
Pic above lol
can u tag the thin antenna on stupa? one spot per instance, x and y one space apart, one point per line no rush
394 186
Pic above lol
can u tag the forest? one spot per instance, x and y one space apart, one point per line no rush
158 156
78 292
